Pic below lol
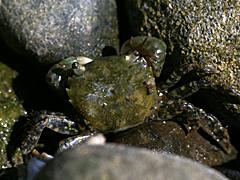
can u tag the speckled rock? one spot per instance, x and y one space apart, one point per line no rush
51 30
200 32
10 110
170 137
203 32
121 162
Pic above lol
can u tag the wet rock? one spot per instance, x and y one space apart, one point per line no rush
34 166
200 32
53 30
203 33
10 110
170 137
230 173
121 162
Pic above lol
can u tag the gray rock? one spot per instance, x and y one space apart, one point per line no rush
201 32
121 162
52 30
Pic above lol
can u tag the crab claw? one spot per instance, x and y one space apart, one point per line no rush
83 60
214 128
152 49
57 76
211 126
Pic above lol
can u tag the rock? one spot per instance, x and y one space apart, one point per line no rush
200 32
170 137
51 30
34 166
10 110
121 162
230 173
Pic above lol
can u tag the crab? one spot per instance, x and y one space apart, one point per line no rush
115 93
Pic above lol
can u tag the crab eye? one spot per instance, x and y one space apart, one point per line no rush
136 53
77 68
75 65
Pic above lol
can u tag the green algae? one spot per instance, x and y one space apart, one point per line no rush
10 110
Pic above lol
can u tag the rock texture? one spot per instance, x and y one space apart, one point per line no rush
51 30
170 137
120 163
203 32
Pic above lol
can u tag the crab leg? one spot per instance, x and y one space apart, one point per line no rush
171 81
87 138
183 70
196 118
185 90
167 109
175 76
54 121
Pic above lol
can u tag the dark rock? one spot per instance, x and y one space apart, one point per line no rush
121 162
230 173
170 137
202 33
53 30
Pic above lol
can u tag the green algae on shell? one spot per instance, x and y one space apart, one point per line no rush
110 106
